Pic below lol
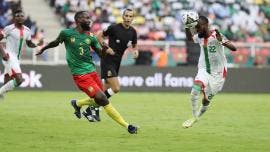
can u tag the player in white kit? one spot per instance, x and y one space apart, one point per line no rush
16 35
212 68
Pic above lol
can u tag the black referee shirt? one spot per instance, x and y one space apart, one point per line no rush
120 39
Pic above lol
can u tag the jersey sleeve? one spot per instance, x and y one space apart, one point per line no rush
61 36
28 36
5 32
108 31
134 39
94 43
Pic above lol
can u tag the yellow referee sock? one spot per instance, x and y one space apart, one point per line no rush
115 115
86 101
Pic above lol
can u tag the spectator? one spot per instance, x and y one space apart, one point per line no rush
154 16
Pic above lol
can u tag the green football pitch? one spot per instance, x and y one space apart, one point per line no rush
44 122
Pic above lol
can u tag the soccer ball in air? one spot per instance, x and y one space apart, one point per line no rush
190 18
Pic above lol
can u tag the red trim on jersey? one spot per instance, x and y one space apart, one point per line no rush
205 41
224 72
203 87
21 31
13 73
200 82
21 42
213 34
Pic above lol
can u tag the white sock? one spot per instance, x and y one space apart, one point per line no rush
195 95
110 91
10 85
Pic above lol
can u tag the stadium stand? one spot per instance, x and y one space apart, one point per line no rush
242 21
239 20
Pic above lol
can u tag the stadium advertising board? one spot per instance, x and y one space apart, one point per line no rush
146 79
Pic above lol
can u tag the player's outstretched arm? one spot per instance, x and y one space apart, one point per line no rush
102 48
100 38
227 44
230 46
33 45
52 44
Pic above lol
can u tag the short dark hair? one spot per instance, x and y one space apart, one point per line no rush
78 14
17 11
204 19
127 9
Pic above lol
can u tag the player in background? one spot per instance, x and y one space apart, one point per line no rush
77 41
120 36
212 68
16 35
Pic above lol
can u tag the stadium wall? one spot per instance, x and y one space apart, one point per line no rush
147 79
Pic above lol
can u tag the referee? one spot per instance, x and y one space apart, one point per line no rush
121 36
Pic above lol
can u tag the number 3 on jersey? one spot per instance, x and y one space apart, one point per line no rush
81 50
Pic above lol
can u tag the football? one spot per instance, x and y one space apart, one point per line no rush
190 18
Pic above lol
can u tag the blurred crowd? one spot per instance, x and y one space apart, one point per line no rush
239 20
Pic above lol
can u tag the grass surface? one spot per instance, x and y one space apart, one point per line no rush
44 122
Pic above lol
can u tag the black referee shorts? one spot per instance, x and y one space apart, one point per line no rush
109 70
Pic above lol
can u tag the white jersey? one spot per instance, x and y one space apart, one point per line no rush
15 39
212 57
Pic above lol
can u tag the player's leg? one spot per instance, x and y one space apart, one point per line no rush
92 86
110 75
7 78
102 100
200 83
111 85
18 78
105 84
194 98
215 85
77 105
13 76
11 84
114 86
92 113
204 107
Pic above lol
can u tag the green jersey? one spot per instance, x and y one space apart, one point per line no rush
78 54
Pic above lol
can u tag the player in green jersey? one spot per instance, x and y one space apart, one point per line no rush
77 41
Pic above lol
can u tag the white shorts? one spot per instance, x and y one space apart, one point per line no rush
212 84
12 66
